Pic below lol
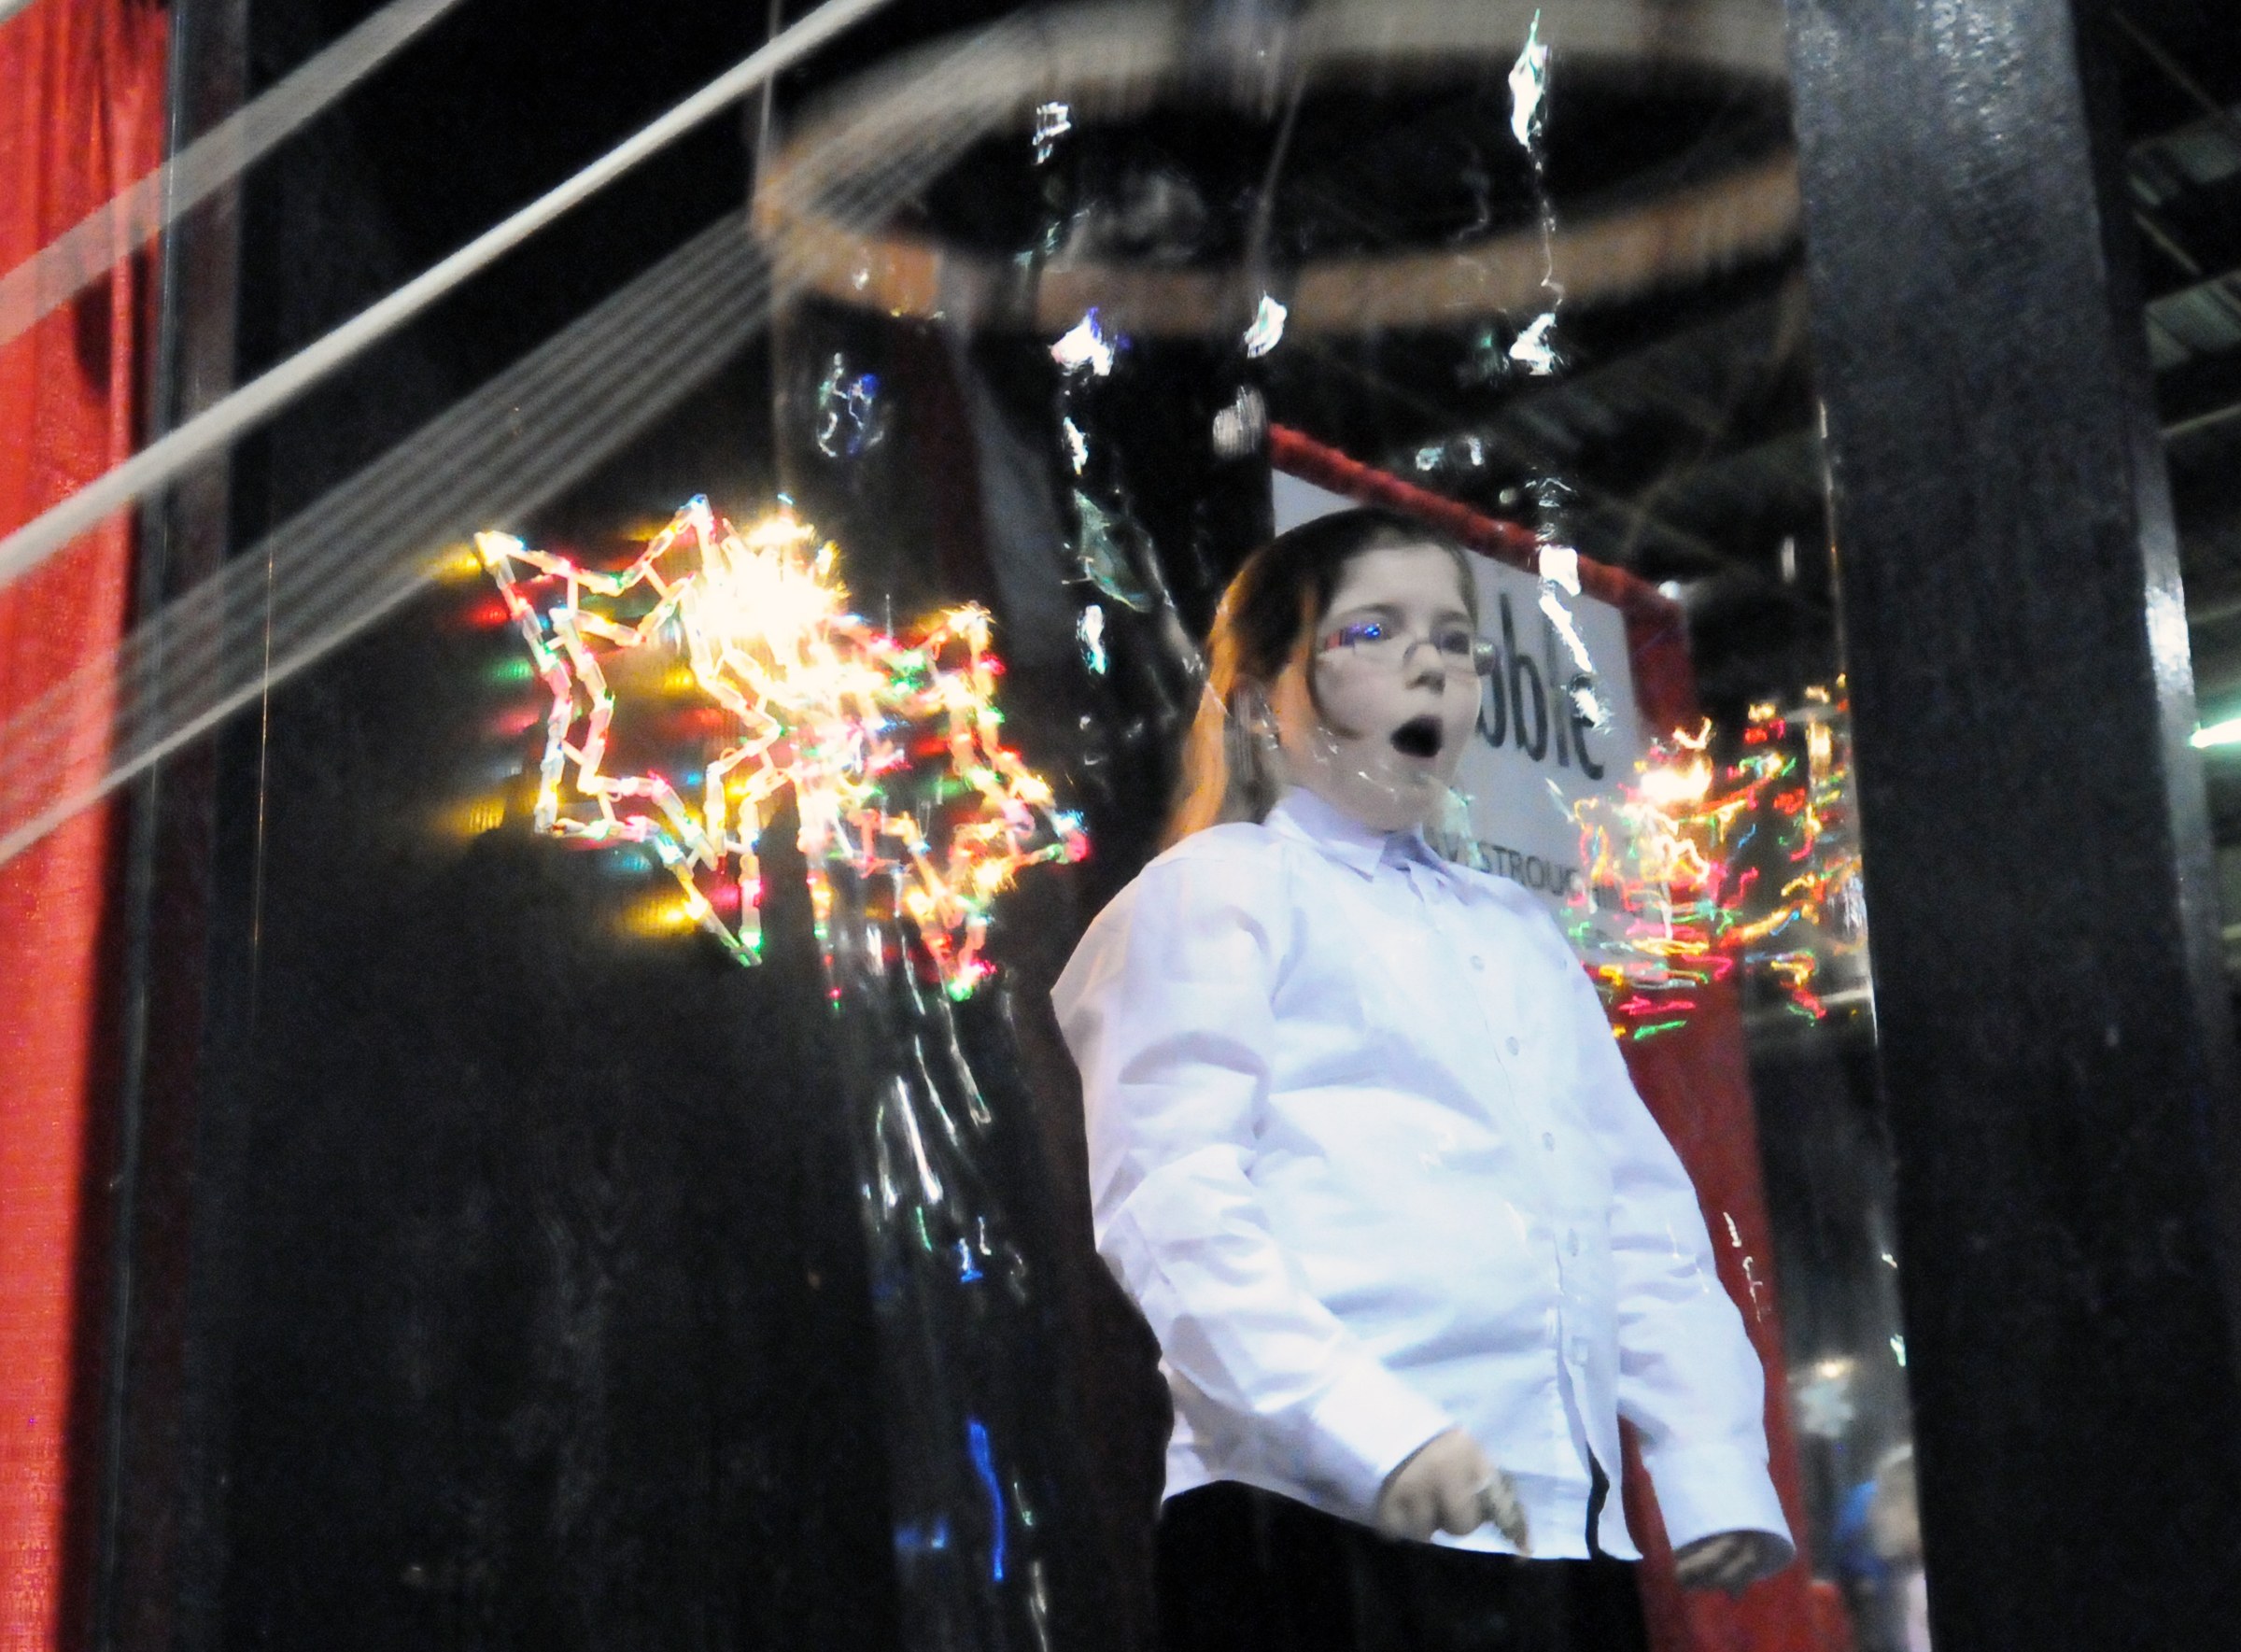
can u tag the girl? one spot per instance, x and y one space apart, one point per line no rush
1364 1151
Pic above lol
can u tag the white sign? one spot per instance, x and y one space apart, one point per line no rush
1536 752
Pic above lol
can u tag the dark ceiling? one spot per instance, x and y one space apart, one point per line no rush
2179 74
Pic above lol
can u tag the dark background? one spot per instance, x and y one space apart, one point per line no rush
501 1276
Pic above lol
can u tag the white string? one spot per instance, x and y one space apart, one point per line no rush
181 672
342 565
225 419
84 253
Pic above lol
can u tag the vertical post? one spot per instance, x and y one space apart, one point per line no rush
163 880
2054 1024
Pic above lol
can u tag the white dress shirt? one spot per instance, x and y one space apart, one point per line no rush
1362 1150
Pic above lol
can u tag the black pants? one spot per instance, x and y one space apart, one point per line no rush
1243 1569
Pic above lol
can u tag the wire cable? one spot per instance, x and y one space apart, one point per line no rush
136 214
339 566
252 403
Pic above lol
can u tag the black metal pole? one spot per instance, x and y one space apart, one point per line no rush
2056 1045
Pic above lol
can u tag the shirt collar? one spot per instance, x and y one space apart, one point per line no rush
1302 814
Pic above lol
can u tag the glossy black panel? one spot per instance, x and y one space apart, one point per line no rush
2052 1021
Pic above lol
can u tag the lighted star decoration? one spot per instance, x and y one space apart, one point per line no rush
891 745
1702 870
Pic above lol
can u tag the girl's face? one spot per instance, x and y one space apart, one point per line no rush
1394 667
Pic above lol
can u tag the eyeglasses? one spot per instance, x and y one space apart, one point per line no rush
1379 641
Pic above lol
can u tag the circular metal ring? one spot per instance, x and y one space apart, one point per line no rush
1109 63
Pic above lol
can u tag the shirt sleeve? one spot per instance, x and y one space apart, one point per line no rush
1688 1377
1167 1008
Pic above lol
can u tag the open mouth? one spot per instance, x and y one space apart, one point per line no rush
1419 737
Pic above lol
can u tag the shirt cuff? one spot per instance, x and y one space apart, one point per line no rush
1703 1491
1366 1425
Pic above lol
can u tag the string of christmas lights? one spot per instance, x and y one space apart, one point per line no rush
797 693
1702 870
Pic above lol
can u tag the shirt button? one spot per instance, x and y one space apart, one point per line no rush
1512 1046
1572 1243
1477 963
1548 1140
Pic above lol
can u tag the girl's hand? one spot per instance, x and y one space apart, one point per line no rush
1449 1486
1732 1560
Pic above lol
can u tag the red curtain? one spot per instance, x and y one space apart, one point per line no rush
82 117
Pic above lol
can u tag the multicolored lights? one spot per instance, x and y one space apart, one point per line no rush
1702 869
890 745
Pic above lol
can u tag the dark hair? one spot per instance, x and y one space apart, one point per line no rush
1264 622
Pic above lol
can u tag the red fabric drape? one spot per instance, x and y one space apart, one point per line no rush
81 117
1698 1083
1695 1081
